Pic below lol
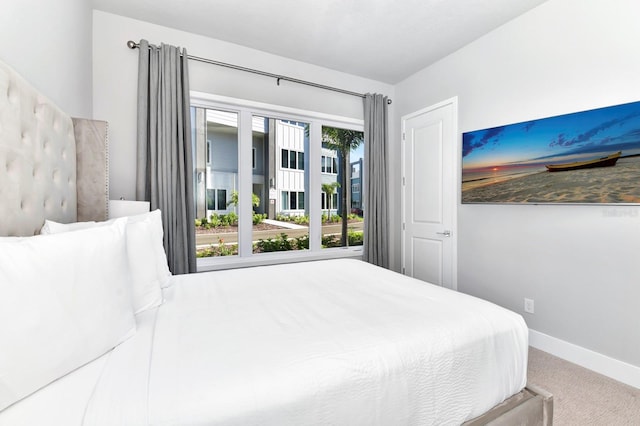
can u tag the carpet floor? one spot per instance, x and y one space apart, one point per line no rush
582 397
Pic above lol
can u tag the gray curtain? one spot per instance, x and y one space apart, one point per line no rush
376 212
165 164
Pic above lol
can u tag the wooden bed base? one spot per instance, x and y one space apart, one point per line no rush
533 406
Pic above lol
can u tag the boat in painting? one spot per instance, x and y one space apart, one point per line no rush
608 161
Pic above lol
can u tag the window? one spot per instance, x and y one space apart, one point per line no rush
292 200
280 173
289 183
343 152
222 199
329 164
216 199
292 159
211 199
215 144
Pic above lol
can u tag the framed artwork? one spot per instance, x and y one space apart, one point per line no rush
581 158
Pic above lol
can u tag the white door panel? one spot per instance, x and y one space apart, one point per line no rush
430 252
429 194
427 173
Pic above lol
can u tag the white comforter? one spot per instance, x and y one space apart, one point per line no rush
335 342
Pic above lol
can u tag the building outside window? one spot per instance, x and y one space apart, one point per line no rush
280 184
356 186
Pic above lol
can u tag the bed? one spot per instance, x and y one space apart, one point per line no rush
96 330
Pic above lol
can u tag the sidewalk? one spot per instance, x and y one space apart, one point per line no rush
288 225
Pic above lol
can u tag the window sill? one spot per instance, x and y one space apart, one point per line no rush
230 262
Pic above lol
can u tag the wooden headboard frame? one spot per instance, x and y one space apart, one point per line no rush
51 166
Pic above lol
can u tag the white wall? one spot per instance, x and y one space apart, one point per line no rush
49 44
581 264
115 69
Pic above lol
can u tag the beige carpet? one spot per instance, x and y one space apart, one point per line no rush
583 397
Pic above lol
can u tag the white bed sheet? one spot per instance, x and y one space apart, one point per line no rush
337 342
77 398
62 402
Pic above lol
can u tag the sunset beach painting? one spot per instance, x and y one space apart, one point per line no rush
584 157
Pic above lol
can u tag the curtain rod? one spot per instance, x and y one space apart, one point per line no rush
134 45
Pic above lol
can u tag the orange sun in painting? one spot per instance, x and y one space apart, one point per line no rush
495 169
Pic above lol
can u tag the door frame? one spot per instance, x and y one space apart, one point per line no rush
454 186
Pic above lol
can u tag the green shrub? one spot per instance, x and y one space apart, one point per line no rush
281 243
229 219
221 249
258 218
302 243
214 221
355 238
300 220
329 241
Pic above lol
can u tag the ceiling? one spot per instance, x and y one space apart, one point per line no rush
384 40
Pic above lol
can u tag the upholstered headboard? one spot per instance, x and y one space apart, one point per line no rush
41 156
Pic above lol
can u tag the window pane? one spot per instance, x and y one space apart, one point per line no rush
344 149
211 199
288 220
293 203
215 146
222 199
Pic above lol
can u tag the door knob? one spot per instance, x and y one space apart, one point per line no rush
445 233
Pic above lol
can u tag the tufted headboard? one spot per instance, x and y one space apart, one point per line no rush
50 164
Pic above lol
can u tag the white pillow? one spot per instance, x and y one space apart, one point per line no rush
147 258
64 301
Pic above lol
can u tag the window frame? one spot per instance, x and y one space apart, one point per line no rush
290 157
329 165
292 201
246 110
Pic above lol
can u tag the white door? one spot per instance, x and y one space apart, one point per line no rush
430 190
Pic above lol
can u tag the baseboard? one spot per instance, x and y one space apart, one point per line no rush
607 366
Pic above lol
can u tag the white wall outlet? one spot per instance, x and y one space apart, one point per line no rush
528 305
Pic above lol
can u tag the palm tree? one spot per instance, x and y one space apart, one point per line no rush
343 141
329 189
